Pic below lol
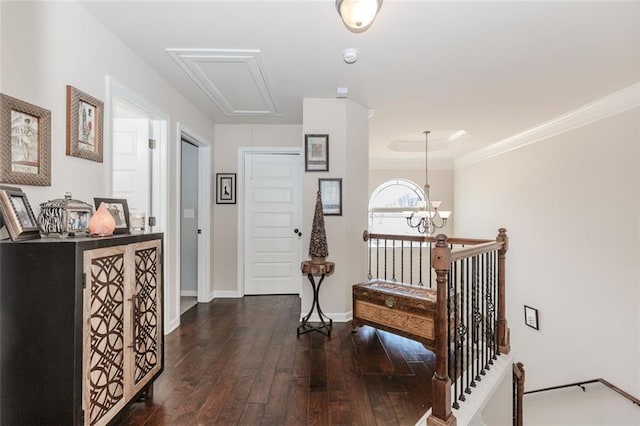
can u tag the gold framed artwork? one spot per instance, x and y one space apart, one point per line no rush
25 143
84 125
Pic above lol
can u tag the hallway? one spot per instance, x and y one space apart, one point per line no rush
238 362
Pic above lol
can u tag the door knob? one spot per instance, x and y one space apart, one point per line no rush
296 231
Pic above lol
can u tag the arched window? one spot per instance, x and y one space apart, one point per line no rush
387 203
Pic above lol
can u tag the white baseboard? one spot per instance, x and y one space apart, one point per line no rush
336 317
172 326
188 293
226 294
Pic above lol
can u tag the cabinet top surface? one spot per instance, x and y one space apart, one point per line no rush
114 239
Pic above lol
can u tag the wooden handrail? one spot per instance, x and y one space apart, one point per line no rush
586 382
366 236
464 252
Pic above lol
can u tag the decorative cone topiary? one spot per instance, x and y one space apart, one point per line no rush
318 249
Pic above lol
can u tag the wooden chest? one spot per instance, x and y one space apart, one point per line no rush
402 309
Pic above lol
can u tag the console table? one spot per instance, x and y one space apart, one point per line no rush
81 330
322 270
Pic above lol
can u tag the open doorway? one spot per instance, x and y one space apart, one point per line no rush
193 161
188 226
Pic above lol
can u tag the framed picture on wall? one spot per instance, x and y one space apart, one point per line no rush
331 193
531 317
225 188
84 125
25 143
316 153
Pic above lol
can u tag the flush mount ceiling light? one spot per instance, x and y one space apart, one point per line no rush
358 15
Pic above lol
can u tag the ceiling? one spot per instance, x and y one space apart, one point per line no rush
493 69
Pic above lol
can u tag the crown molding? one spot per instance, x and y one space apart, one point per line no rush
615 103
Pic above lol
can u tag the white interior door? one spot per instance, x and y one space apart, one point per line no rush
272 222
131 162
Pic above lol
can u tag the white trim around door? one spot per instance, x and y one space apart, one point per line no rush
204 292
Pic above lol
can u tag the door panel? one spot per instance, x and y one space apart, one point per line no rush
272 213
131 162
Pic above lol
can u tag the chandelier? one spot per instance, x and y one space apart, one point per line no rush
358 15
428 218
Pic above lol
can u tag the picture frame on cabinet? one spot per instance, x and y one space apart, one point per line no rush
119 209
25 143
17 215
225 188
331 193
84 125
316 153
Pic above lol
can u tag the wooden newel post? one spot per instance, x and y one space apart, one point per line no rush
504 345
441 383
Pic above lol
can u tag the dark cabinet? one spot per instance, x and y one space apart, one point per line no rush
81 332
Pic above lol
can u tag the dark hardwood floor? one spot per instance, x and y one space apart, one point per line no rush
239 362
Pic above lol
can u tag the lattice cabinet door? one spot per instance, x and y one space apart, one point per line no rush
106 331
122 328
146 273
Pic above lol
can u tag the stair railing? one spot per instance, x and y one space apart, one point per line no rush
614 388
470 322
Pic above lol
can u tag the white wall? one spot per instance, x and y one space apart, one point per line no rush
347 125
571 206
49 45
230 137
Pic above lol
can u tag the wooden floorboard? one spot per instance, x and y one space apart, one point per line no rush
240 362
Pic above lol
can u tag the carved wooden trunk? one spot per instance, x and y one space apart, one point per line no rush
401 309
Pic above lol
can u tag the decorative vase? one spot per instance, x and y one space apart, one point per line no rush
102 223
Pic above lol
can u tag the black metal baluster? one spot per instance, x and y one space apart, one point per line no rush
411 262
420 265
393 260
474 325
483 323
477 317
385 258
377 257
452 293
369 275
469 333
401 261
495 301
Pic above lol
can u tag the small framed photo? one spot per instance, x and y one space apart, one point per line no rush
17 215
119 209
331 193
531 317
84 125
25 143
225 188
316 153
